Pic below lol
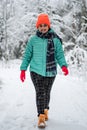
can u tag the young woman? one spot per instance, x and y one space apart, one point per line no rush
43 52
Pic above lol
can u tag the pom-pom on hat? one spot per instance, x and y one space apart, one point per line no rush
43 19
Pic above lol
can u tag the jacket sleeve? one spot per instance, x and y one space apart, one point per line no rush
27 56
60 55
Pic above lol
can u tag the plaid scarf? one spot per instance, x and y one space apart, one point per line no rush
50 57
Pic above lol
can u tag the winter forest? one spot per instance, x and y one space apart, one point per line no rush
68 105
68 19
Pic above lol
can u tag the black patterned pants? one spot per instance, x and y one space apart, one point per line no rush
43 87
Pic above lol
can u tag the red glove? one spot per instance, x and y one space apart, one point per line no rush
22 75
65 70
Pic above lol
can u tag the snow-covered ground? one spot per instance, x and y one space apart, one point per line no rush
68 106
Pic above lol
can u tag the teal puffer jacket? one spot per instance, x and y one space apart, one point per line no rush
35 55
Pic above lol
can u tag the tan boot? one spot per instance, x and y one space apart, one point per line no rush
41 121
46 114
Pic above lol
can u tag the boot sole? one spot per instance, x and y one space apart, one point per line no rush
41 125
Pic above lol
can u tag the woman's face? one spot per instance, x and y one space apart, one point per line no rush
43 28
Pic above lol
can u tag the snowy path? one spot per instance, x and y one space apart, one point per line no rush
68 109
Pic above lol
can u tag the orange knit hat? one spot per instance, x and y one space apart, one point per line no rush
43 19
